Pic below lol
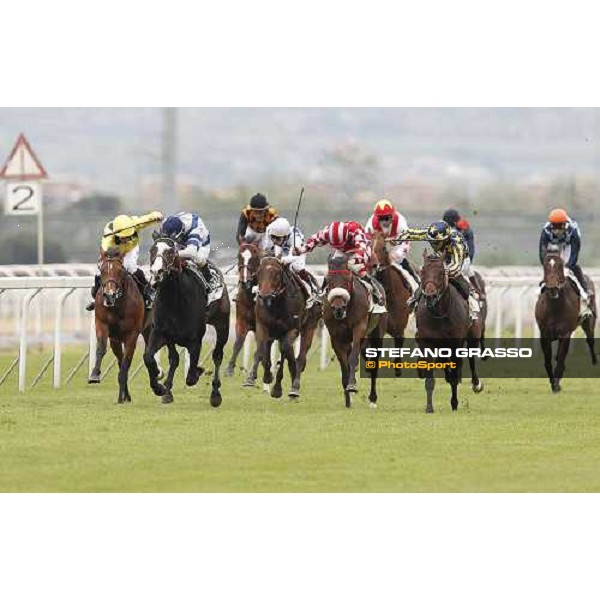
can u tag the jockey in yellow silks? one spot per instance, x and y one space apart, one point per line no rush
122 233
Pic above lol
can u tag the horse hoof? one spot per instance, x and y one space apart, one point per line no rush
159 389
351 388
477 387
372 405
429 410
276 392
167 398
294 393
556 388
216 399
228 372
249 383
398 372
94 379
192 379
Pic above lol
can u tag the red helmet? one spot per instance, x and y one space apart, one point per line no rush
384 208
558 215
338 233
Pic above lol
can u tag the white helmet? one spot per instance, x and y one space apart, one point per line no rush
280 228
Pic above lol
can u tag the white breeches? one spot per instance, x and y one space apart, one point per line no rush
253 237
298 264
356 262
130 260
196 255
467 269
400 252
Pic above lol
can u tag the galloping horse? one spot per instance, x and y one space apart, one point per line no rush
442 321
349 322
120 316
557 316
181 313
281 315
249 256
397 291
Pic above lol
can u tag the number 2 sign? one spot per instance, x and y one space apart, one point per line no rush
22 198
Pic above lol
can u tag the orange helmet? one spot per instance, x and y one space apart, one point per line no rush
558 215
384 208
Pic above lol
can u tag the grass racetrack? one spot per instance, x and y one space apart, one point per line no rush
514 436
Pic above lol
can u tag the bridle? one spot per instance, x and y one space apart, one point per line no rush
170 262
118 294
273 294
432 300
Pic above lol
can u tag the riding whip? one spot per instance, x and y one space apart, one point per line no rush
296 216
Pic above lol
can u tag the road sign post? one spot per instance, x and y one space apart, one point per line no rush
23 173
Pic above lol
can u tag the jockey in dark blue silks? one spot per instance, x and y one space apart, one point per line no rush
562 232
193 239
461 225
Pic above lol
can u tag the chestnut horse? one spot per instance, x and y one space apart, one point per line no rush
350 324
249 256
281 315
397 291
442 321
120 317
557 316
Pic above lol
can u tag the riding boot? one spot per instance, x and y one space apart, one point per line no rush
207 274
475 285
586 309
94 290
411 270
413 301
145 288
377 293
312 283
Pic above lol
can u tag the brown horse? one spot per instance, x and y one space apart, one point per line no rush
349 322
120 316
557 316
249 256
281 315
397 291
442 321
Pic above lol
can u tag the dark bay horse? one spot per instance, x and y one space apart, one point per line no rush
349 322
557 316
281 315
181 313
120 317
442 321
249 256
397 291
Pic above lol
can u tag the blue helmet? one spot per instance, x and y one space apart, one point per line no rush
438 231
172 227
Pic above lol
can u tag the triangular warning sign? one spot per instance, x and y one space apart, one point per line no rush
23 163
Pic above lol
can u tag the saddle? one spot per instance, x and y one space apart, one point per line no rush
214 291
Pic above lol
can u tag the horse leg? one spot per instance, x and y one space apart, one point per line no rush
289 354
476 384
125 364
561 356
241 332
194 371
117 348
101 343
276 391
453 377
357 335
546 344
222 331
155 343
398 343
342 355
375 343
173 364
588 327
429 387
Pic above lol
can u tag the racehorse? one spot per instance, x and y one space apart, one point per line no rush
397 291
442 317
349 322
249 256
120 317
557 316
181 313
281 315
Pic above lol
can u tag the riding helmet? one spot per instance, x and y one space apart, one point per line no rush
451 217
558 215
384 208
259 201
438 231
172 227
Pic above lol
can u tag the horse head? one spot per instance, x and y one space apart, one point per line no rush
248 265
339 285
554 273
380 249
270 280
112 275
434 278
164 259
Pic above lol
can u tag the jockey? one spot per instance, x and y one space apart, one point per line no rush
280 240
453 219
193 239
452 248
122 233
390 222
351 239
255 219
561 231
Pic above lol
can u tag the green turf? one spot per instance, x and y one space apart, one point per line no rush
515 436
